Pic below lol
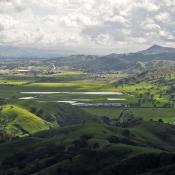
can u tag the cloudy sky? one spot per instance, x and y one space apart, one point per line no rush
99 26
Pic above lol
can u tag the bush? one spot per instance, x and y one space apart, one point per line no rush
114 139
160 120
126 133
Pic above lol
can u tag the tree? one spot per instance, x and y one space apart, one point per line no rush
160 120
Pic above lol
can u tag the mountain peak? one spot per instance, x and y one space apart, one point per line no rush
157 49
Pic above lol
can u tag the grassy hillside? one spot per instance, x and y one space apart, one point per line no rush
21 118
17 121
59 114
93 148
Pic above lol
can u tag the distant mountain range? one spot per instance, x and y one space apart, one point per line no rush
130 61
24 52
117 61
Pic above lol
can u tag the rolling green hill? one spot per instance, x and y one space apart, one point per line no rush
24 118
141 148
17 121
59 114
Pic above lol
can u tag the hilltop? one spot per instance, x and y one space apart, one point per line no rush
157 49
16 121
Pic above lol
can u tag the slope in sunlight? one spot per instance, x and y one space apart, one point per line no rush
16 121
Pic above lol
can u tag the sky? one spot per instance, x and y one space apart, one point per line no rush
94 26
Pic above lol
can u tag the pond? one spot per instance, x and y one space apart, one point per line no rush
78 93
98 99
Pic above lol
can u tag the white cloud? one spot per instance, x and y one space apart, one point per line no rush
103 25
166 35
116 18
163 17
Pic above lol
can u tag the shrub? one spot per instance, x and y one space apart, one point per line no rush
126 133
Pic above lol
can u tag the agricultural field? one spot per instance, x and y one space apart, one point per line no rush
59 86
98 94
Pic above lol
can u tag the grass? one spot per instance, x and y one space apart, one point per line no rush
19 121
167 114
12 82
72 85
133 149
68 73
144 138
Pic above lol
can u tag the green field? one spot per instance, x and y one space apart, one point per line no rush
150 108
166 114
